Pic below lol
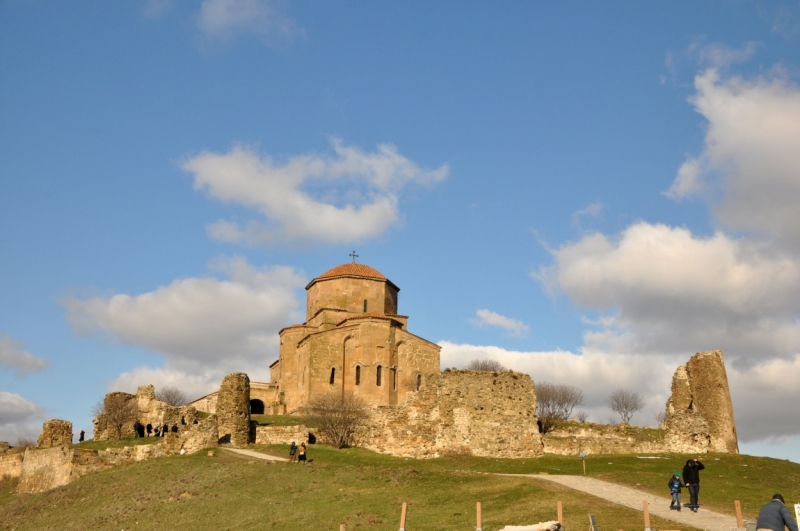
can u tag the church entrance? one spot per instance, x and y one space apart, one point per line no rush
256 407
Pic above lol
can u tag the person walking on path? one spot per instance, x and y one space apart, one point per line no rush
775 515
675 487
292 452
80 439
302 452
691 476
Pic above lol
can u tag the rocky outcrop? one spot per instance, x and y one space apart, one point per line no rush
55 433
233 410
699 415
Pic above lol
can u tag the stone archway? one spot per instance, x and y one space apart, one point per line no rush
256 407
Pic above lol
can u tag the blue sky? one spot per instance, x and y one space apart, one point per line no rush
589 193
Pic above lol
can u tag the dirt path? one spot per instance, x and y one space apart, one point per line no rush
257 455
702 519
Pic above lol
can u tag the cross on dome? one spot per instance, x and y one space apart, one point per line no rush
354 256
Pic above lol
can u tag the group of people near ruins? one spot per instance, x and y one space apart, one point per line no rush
691 481
297 453
772 517
159 430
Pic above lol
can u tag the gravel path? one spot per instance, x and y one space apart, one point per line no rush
702 519
257 455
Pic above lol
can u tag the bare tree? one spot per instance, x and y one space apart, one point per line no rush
625 403
486 365
340 417
555 402
172 396
661 417
117 409
582 416
22 442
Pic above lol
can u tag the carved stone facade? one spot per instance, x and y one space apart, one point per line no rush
353 340
700 411
233 409
55 433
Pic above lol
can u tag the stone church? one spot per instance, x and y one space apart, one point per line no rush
353 340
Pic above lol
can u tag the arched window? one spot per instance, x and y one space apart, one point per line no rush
419 381
333 375
365 305
378 374
256 407
358 375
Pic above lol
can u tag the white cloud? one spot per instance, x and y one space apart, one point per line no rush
12 356
227 19
157 8
591 211
513 327
718 55
749 170
19 417
204 327
357 192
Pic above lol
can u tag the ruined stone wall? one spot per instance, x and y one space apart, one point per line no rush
45 469
204 434
282 434
11 463
233 409
462 412
700 412
603 439
55 433
148 411
207 404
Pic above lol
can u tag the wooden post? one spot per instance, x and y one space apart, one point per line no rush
739 520
403 517
478 511
646 508
560 514
584 466
341 527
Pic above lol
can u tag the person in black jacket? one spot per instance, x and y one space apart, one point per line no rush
691 476
775 515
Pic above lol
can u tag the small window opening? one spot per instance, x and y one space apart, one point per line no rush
378 375
333 375
394 379
419 381
365 305
358 375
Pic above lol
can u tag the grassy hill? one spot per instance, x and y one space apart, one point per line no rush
365 490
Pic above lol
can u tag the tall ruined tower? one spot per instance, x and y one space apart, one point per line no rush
700 411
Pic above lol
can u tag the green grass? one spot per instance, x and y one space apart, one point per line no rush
365 490
91 444
283 420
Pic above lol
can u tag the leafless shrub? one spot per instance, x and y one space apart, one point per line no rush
661 418
172 396
555 402
340 418
22 442
117 409
582 416
486 365
625 403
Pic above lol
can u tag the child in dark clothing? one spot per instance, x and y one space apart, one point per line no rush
675 486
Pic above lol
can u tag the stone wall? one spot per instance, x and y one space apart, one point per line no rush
602 439
233 410
700 412
282 434
55 433
461 412
196 437
11 463
148 411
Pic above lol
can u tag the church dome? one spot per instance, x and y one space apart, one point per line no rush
351 269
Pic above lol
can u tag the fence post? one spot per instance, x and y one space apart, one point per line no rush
341 527
478 512
560 514
646 508
403 517
739 519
